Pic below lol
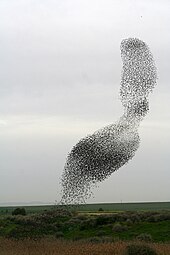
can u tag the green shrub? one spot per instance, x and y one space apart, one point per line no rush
100 209
119 228
19 211
159 217
129 222
59 225
23 220
103 219
95 239
76 238
59 234
74 213
107 239
12 233
144 237
135 218
100 233
81 217
73 222
89 223
139 249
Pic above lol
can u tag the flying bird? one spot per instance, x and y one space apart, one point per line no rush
95 157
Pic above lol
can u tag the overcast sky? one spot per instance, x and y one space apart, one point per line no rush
60 71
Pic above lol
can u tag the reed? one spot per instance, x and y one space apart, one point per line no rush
61 247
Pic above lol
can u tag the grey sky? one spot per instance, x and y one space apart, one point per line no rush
60 71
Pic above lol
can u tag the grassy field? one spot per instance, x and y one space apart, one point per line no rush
126 225
150 206
7 210
53 230
107 207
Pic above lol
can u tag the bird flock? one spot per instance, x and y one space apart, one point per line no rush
95 157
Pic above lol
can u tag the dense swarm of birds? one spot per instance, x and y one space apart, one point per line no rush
97 156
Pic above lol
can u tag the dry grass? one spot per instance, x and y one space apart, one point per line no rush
59 247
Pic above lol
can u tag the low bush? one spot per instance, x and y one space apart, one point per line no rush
159 217
89 223
139 249
19 211
129 222
81 217
119 228
94 239
97 239
144 237
100 233
135 218
107 239
59 234
103 219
